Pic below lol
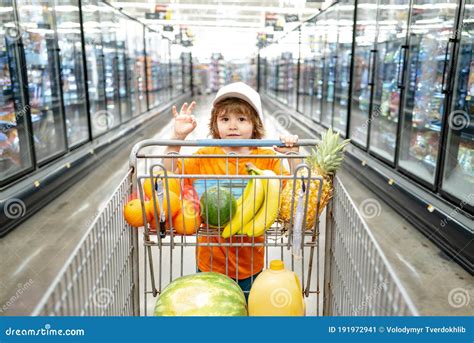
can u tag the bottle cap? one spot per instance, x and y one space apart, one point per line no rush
277 265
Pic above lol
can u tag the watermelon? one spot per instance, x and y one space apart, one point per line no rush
202 294
218 205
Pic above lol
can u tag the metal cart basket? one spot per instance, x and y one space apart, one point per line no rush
168 253
342 269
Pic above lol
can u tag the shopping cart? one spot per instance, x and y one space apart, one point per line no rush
338 260
168 255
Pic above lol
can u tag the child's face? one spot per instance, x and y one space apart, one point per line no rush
234 126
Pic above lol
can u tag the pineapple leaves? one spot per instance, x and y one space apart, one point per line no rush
329 153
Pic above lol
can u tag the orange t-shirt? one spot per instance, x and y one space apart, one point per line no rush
242 262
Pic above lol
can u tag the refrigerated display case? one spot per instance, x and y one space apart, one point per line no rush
109 48
72 71
270 55
431 28
165 71
391 39
392 25
95 67
44 90
154 82
186 58
284 76
320 43
458 175
329 75
344 27
287 69
176 70
136 67
307 68
262 73
306 85
124 94
15 154
411 107
362 83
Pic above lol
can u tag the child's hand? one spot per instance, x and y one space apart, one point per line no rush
185 121
289 141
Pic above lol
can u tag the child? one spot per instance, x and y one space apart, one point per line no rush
236 114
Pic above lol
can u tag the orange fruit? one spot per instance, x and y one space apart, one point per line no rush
133 212
188 219
173 185
175 203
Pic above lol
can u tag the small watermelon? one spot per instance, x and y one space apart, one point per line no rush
202 294
218 205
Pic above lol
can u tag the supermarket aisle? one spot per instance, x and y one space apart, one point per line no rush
35 252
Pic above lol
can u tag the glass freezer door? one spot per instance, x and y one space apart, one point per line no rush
306 86
329 67
293 46
121 35
95 68
165 70
41 53
345 22
316 100
458 178
136 67
431 27
154 80
72 71
392 24
306 82
15 142
363 70
109 41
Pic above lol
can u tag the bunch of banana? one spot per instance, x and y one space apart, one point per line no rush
247 205
257 208
268 212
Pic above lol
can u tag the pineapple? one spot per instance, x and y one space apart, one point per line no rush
324 162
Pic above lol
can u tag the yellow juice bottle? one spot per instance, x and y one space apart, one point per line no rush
276 292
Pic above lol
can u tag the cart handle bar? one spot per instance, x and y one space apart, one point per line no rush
213 142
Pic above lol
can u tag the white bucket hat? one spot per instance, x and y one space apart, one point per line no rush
242 91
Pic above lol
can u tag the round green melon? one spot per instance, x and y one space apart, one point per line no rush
218 205
202 294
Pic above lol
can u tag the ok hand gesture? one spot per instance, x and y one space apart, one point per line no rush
184 121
